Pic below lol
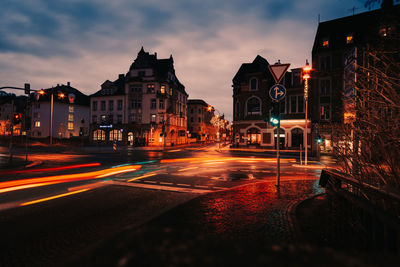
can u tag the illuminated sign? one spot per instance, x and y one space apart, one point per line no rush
106 126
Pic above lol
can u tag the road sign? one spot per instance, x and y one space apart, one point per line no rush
278 71
277 92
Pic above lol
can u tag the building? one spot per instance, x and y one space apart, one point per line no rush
107 111
252 104
199 121
339 48
154 105
68 116
10 105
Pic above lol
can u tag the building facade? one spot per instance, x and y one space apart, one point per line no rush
70 111
252 104
154 105
339 48
199 121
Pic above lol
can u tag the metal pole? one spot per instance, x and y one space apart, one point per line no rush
278 173
301 156
51 119
306 130
11 133
26 129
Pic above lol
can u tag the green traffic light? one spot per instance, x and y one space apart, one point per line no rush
274 121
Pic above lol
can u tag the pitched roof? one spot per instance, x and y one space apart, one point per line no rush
259 64
80 98
108 88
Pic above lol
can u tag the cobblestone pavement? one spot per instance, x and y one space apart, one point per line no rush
243 223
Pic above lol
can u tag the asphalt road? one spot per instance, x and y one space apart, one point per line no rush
47 223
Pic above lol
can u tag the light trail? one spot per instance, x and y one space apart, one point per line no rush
53 197
187 169
141 177
41 181
54 169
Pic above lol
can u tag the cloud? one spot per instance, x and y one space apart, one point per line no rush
85 42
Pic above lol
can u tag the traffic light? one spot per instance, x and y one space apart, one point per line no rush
27 87
274 117
17 118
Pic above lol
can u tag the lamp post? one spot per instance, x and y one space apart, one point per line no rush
306 76
220 118
60 95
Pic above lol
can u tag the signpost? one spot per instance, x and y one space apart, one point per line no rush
277 93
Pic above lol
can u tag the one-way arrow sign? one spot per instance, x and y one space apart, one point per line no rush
278 71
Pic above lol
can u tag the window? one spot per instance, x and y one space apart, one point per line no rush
110 118
325 62
71 109
99 135
199 119
119 118
115 135
141 73
119 104
385 31
94 105
103 105
132 118
153 117
153 103
162 89
349 38
325 87
199 110
325 112
296 104
150 88
136 88
70 117
191 119
136 103
325 42
253 106
111 105
94 119
170 91
161 104
36 115
70 125
37 124
103 118
237 111
253 84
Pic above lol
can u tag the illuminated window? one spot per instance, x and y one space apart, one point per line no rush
325 111
325 43
349 39
70 125
150 88
99 135
115 135
37 124
71 109
70 117
153 117
162 89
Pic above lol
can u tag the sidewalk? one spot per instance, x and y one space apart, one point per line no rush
250 225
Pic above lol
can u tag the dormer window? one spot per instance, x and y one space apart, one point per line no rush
349 38
325 42
253 84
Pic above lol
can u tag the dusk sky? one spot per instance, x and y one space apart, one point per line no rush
86 42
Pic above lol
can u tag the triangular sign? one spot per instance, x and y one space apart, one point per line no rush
278 71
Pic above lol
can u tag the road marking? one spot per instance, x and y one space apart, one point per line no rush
140 177
153 182
164 188
53 197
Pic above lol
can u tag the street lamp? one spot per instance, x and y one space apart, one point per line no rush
60 95
306 76
219 119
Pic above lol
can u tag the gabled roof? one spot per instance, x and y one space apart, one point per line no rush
116 87
80 98
259 64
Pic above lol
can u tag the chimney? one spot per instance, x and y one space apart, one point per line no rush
68 83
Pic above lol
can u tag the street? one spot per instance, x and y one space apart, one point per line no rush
65 208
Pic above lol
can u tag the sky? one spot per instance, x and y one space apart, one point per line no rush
85 42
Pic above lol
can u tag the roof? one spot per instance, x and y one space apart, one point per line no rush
197 102
161 68
364 27
80 98
259 64
109 88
